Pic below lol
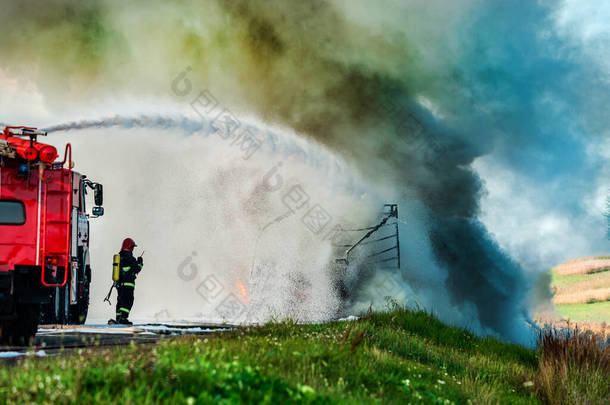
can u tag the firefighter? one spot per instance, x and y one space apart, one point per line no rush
130 267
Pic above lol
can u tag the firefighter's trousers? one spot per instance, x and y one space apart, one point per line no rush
125 300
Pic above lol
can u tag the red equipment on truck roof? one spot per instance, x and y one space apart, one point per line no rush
44 235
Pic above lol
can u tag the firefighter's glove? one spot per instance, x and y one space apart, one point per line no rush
140 261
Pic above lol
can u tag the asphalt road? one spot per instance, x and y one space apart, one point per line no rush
57 339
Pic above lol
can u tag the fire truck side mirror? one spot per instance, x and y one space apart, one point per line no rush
98 211
98 195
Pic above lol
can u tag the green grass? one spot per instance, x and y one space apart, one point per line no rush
397 357
560 281
594 312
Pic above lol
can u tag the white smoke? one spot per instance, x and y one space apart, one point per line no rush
208 219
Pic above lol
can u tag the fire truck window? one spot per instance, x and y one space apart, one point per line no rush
12 212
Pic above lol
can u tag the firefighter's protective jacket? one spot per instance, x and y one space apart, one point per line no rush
129 268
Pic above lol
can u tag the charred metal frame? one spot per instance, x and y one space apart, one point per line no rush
389 211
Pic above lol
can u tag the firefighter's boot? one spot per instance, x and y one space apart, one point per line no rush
122 320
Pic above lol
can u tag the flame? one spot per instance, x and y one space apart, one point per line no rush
242 291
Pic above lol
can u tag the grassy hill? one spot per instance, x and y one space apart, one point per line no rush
582 289
395 357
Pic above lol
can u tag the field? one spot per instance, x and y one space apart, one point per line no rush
598 312
582 291
397 356
585 265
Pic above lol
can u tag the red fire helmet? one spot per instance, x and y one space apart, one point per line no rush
128 244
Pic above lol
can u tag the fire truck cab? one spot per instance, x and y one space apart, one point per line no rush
45 270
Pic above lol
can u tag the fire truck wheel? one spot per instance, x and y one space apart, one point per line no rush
21 331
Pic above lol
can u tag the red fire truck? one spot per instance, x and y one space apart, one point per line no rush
44 236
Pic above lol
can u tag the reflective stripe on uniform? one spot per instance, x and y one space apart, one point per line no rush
126 268
128 285
124 309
